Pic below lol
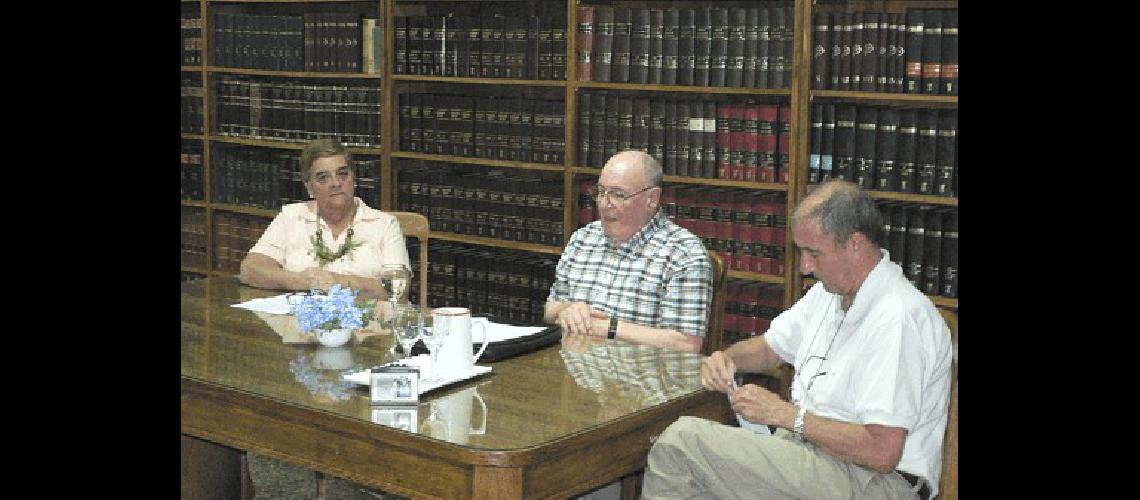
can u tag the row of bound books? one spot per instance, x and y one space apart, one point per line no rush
486 46
512 206
234 235
747 228
193 239
509 285
885 148
313 42
923 240
297 112
707 47
270 179
913 53
498 128
743 141
191 40
191 113
191 171
749 308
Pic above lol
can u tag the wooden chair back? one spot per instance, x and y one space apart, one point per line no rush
714 338
948 484
415 225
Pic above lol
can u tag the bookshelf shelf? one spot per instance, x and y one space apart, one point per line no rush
484 81
283 145
191 68
682 88
478 161
194 269
195 203
915 198
287 1
262 212
291 74
492 242
681 179
944 302
193 137
887 97
765 278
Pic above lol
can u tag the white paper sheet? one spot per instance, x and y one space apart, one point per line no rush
498 332
271 305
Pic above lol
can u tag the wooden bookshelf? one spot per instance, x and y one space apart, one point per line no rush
799 95
484 81
466 160
683 88
763 278
494 242
888 98
290 74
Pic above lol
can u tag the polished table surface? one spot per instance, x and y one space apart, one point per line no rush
558 421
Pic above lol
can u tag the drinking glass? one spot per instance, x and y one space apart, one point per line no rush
408 322
394 278
434 338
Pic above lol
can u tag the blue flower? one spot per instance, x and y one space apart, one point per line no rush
336 309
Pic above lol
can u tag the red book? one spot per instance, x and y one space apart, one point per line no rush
766 143
737 142
585 42
751 138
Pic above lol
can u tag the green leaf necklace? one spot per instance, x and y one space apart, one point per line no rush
323 254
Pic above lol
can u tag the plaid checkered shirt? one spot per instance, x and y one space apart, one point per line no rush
661 277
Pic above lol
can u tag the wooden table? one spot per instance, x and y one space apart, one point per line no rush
559 422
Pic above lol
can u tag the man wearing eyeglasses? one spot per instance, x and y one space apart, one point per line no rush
872 380
633 274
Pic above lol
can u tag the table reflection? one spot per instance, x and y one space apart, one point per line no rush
627 376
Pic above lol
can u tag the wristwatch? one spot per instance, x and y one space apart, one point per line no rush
798 423
612 333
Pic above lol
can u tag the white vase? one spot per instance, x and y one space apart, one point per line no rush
333 338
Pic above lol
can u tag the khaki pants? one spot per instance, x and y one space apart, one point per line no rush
698 458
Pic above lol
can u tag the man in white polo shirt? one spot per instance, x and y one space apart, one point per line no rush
871 388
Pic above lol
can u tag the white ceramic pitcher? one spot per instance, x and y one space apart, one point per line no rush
455 358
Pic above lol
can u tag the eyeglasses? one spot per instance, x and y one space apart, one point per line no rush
614 196
818 373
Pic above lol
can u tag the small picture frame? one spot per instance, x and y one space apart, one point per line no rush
394 385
